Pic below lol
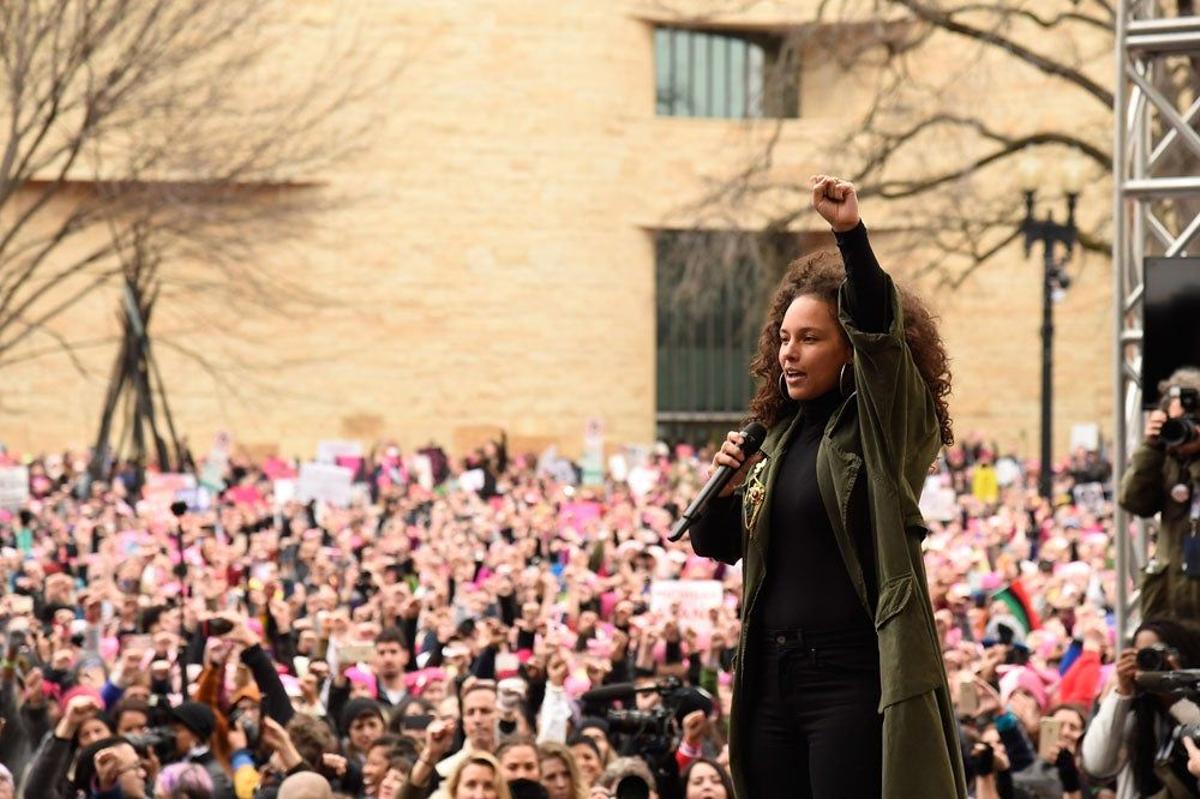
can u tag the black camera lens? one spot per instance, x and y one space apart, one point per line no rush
1179 431
1153 658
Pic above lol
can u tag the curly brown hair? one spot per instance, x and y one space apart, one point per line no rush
821 274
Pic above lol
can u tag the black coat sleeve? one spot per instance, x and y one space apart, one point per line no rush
275 702
484 666
718 533
409 626
867 297
339 695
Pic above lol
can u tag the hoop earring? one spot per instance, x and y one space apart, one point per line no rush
783 387
842 380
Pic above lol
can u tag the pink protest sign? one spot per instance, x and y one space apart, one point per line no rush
163 488
278 469
245 495
577 515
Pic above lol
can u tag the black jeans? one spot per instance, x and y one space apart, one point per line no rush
814 731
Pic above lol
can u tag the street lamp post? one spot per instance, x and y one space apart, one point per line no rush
1054 278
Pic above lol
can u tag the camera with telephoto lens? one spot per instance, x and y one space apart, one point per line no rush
1183 429
656 721
159 740
653 731
1154 657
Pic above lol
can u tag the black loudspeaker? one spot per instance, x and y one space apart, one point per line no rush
1171 321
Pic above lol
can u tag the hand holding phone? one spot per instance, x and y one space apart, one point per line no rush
968 695
356 653
1049 739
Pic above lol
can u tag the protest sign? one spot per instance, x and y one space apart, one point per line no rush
938 502
577 515
687 601
164 488
1085 436
324 482
14 487
471 480
284 491
422 467
330 451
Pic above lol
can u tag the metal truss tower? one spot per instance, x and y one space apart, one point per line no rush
1153 216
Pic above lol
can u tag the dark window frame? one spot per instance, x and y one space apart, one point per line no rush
760 77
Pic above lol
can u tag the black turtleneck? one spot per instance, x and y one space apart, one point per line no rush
806 584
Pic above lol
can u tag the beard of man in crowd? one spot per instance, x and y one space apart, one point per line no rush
391 658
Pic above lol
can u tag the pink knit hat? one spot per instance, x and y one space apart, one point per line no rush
1037 683
80 690
360 677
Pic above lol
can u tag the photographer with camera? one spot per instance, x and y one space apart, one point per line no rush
1132 726
1164 478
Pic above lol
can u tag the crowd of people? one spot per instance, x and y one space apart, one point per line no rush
494 628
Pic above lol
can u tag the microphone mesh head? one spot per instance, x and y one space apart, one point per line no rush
754 434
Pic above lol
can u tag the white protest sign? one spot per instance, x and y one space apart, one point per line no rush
471 480
938 502
1085 436
687 601
283 491
618 467
642 479
14 487
326 483
422 467
330 451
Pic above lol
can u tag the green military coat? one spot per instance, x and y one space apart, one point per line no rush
1145 491
887 434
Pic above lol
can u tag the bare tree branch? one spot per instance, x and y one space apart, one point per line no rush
954 213
946 21
131 117
1047 23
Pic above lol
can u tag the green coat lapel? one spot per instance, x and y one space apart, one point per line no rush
838 468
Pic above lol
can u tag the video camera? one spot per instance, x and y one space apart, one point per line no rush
653 730
1183 429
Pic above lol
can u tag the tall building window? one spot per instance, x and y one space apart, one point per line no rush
711 294
705 336
704 73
